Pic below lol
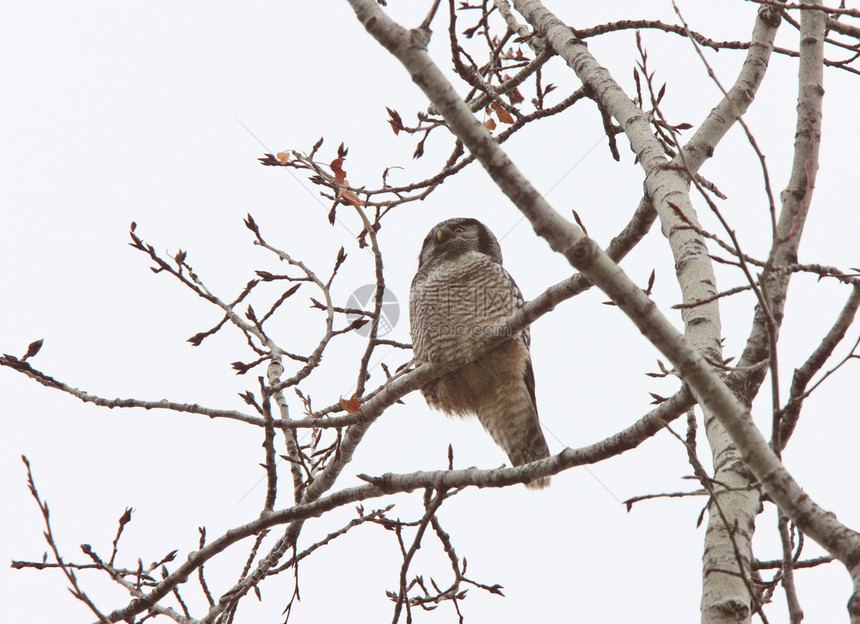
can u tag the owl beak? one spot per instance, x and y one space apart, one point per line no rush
443 234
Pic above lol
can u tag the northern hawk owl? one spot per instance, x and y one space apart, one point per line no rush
459 292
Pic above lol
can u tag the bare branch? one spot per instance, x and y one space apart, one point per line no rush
75 588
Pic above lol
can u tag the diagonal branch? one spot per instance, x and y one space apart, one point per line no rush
804 374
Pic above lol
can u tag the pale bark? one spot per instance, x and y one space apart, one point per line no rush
728 551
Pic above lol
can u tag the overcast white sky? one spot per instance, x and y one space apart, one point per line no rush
156 112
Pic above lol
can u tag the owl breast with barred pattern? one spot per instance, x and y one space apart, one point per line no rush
459 292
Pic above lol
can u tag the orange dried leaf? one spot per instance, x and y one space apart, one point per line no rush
337 168
283 157
490 124
514 94
350 405
350 197
503 115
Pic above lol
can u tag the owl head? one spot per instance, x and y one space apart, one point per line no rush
453 237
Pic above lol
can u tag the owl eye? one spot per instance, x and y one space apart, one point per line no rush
459 229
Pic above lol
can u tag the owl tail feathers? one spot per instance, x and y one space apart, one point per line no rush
532 448
519 435
540 483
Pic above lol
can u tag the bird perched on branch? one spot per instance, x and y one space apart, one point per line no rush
459 292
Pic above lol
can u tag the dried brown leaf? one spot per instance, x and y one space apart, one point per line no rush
350 405
503 115
337 168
